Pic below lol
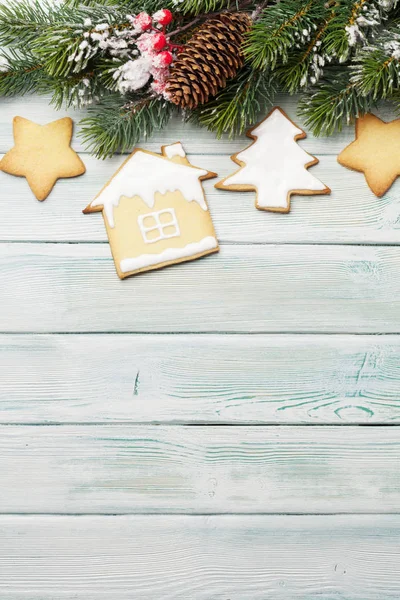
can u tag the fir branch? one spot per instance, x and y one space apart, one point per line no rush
57 45
76 91
23 75
335 103
238 105
54 32
22 21
130 6
377 67
279 29
307 64
20 74
201 7
96 3
114 126
352 25
106 68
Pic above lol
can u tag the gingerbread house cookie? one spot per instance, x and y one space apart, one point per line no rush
155 211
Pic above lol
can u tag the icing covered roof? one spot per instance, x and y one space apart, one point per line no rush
144 174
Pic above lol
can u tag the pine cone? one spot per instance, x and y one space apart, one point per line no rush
211 56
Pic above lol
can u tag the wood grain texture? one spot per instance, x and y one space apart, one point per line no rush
198 139
264 288
203 558
167 469
199 379
351 214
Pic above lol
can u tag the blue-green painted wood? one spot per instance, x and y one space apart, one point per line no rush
244 288
348 557
167 469
311 379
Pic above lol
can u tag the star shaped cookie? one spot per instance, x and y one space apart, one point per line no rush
42 154
375 152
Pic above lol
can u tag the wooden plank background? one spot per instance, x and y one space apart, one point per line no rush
201 432
216 379
244 288
167 469
202 557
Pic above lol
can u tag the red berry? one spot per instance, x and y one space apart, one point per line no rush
159 41
165 58
163 16
143 20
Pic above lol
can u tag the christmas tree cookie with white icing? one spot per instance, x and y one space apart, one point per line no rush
155 211
274 165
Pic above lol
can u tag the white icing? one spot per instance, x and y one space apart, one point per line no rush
275 163
146 260
146 174
158 226
174 150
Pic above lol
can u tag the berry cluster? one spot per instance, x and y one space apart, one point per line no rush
155 54
142 52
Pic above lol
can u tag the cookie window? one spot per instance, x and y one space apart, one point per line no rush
159 225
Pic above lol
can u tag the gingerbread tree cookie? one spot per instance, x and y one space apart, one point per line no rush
274 165
155 211
375 152
42 154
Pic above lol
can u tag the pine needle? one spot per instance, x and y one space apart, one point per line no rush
114 126
237 106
